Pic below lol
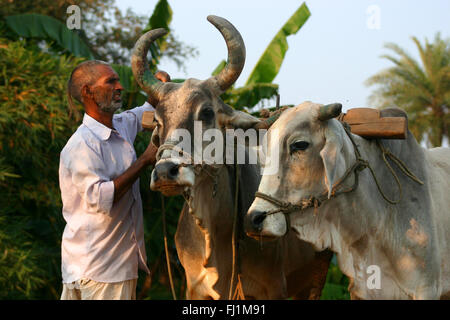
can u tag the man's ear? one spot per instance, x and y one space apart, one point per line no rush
86 92
238 119
332 154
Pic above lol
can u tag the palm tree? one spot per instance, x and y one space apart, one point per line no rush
422 88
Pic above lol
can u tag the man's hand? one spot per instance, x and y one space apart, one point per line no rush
162 76
124 182
149 154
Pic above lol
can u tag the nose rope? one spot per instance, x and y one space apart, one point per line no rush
189 161
360 164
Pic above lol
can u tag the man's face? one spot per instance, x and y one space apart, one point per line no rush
107 91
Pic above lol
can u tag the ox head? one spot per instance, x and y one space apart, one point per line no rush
310 145
179 105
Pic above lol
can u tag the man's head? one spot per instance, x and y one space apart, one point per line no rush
95 83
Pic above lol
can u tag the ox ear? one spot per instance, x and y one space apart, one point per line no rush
333 156
238 119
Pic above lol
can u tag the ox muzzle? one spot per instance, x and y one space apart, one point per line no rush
171 176
261 226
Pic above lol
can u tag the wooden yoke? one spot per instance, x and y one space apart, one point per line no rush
148 120
368 123
365 122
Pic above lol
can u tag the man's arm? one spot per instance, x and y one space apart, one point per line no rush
124 182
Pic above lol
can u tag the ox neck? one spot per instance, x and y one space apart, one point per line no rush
212 196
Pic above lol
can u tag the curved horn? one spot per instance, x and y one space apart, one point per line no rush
140 68
236 53
329 111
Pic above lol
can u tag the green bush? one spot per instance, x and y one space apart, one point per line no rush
34 126
336 284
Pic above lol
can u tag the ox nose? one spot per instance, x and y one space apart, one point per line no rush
166 170
257 218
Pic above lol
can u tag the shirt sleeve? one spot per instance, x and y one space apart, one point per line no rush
89 176
133 118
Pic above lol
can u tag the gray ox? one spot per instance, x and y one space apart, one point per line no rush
389 251
275 270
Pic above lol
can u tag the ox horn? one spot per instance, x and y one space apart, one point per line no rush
329 111
139 65
236 54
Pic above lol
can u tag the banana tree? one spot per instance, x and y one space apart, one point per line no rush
38 26
259 86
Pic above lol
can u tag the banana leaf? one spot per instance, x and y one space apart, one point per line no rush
219 68
270 62
48 28
250 95
161 18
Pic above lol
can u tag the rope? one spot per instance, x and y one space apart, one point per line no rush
233 237
401 165
189 161
239 292
166 248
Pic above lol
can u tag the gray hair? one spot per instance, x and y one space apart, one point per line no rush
83 74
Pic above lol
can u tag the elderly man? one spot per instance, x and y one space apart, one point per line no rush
103 241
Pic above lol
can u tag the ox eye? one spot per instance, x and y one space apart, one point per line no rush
207 114
298 145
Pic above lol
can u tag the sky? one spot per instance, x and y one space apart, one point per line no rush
330 57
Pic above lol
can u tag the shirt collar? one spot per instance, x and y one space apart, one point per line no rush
99 129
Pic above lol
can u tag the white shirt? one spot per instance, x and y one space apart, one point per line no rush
101 241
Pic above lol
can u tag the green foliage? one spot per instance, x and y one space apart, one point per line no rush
421 88
336 284
161 17
48 28
109 33
259 86
168 46
34 127
270 62
250 95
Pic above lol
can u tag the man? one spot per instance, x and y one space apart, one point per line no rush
103 241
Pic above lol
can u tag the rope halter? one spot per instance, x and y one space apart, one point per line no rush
188 161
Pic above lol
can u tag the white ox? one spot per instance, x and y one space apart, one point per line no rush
408 243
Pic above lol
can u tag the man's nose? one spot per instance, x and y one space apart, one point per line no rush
166 170
119 86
